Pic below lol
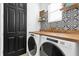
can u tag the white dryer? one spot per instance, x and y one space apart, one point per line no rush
51 46
33 44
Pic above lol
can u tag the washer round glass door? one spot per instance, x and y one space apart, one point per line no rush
32 47
49 49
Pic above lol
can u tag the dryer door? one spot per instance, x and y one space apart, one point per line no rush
49 49
32 47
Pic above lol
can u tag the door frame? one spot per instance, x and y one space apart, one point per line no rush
1 28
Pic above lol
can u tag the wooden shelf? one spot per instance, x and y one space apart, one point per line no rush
61 30
74 6
63 36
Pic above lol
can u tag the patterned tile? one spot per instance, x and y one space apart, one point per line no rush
70 20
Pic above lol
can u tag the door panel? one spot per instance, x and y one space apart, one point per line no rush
11 45
21 42
14 33
21 16
11 20
12 4
21 5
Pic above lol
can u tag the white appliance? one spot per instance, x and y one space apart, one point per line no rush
32 23
50 46
33 44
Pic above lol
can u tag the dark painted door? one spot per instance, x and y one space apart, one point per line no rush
14 29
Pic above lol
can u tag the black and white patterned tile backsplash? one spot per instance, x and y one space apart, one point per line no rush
70 20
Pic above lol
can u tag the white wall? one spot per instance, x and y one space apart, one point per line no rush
44 6
1 29
32 17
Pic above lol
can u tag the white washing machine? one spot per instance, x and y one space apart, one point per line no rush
33 44
50 46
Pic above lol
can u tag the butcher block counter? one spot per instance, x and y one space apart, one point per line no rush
64 36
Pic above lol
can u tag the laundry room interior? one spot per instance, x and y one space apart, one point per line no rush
54 31
39 29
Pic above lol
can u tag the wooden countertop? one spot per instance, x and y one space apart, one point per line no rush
64 36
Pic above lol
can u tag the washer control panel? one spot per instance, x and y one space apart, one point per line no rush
53 40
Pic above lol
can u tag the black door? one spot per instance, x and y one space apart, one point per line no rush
49 49
14 29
